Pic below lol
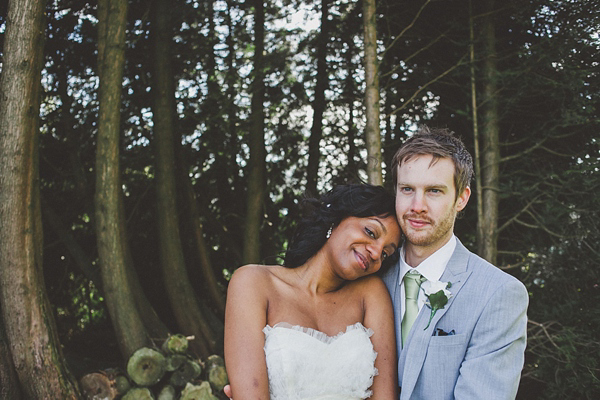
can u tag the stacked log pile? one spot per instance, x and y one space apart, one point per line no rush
168 373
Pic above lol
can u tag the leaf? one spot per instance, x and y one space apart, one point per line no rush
437 301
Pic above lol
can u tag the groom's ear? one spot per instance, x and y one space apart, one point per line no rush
463 199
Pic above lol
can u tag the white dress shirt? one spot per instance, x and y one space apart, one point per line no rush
431 268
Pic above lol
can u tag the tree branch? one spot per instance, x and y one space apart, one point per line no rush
407 102
412 23
516 216
431 43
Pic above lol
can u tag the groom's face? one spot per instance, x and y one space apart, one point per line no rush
426 202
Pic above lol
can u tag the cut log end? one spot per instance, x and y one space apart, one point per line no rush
98 385
175 344
216 373
187 372
146 366
139 394
198 392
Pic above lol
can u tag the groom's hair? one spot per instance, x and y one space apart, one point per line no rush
320 215
440 143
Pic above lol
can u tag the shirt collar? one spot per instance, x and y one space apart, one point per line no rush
433 266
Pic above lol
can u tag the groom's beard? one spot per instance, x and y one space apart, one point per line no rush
430 234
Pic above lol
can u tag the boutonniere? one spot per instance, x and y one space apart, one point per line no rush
437 296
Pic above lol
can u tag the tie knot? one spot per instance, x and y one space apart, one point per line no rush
412 283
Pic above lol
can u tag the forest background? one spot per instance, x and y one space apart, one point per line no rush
149 148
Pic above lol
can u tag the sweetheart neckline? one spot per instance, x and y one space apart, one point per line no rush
317 334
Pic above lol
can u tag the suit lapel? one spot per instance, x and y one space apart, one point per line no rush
391 280
415 350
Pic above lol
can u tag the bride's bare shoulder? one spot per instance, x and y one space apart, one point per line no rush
369 286
256 273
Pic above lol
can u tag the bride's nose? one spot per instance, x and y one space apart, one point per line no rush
375 250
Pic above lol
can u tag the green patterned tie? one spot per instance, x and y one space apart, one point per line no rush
412 283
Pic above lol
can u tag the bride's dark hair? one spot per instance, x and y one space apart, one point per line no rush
343 201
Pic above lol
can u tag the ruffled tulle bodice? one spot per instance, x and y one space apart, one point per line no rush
304 363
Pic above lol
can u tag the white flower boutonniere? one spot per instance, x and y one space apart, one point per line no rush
437 296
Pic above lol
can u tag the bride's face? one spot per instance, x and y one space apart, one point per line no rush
358 246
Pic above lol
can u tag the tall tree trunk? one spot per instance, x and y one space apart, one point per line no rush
184 302
152 322
219 136
349 99
490 166
372 129
223 163
129 327
256 164
27 318
352 166
477 160
387 150
319 104
231 83
202 249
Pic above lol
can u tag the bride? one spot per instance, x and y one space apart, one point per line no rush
322 326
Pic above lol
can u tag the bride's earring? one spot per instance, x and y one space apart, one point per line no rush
329 232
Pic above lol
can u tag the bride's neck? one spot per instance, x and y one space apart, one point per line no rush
317 276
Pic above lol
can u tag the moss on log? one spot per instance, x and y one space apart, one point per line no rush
139 393
175 344
146 366
198 392
187 372
215 371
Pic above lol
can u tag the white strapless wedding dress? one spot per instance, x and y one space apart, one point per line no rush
303 363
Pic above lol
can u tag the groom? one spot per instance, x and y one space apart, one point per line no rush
473 346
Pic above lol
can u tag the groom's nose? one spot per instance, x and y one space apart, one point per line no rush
419 203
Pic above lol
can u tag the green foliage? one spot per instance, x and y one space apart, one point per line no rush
563 350
84 304
549 105
564 284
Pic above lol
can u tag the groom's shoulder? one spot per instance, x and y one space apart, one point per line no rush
390 274
483 270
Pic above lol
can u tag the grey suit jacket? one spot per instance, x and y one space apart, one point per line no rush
484 356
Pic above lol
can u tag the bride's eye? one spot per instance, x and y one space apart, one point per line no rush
370 233
384 256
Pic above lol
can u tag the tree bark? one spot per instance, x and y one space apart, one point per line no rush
221 131
27 318
387 150
256 163
9 382
184 302
152 322
231 81
223 165
372 128
490 167
349 98
475 121
319 103
129 327
202 250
